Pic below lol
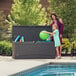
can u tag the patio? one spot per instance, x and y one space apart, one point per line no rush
10 66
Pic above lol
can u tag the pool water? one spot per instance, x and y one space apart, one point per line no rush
50 70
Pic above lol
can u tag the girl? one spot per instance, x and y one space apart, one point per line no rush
56 39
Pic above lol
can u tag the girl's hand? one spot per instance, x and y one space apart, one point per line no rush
45 32
48 32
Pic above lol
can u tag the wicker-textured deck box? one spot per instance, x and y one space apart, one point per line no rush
31 48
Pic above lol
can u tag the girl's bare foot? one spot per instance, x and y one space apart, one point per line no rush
58 57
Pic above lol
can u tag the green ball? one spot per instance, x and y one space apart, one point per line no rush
43 35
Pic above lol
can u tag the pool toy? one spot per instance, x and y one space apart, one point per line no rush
43 35
17 38
47 40
22 38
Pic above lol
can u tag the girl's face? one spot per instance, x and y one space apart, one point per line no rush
53 17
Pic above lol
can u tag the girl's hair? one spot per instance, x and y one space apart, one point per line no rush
53 13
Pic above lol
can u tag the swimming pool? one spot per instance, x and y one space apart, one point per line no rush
50 70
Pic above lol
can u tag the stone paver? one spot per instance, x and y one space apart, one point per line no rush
10 66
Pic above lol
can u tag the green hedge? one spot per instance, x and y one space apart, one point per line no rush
5 48
65 9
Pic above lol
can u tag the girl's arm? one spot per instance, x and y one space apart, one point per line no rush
53 33
50 33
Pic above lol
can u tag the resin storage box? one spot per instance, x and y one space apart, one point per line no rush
32 47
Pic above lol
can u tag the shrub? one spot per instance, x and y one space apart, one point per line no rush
65 9
6 48
74 44
3 27
66 44
27 12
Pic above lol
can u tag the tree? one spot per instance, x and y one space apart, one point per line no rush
66 9
27 12
3 26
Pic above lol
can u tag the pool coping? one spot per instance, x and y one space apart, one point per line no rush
18 65
37 67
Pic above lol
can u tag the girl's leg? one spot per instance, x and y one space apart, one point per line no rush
60 49
57 51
